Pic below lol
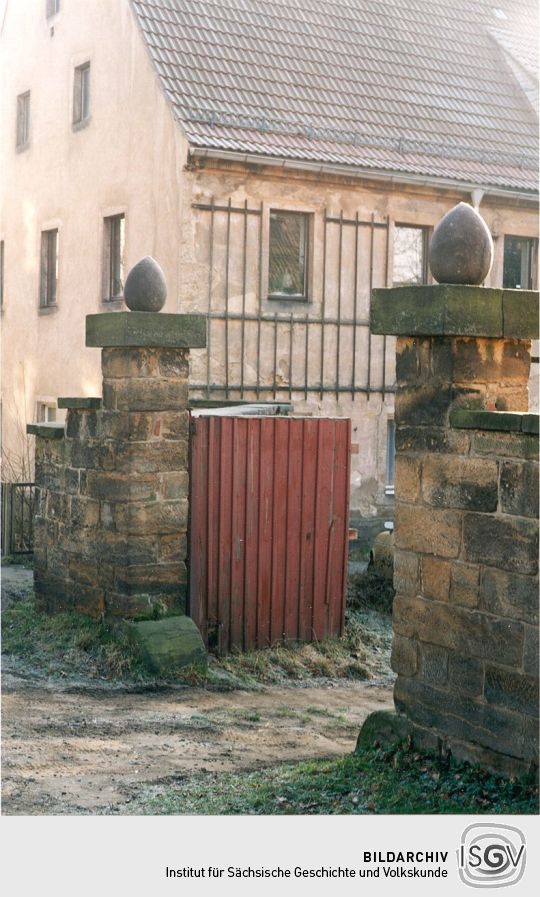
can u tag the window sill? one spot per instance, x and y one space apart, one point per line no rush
286 297
47 309
113 304
80 125
22 147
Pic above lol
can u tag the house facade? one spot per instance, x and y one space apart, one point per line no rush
279 163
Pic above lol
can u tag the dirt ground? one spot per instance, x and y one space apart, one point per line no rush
86 752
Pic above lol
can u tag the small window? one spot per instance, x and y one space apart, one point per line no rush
113 257
81 93
52 7
49 268
520 263
45 412
288 255
390 456
23 119
410 255
1 273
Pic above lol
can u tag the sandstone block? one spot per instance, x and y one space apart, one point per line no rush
465 585
434 664
435 579
407 477
530 650
152 518
406 573
404 658
431 439
523 446
461 630
509 543
485 360
519 489
128 362
512 689
150 579
427 530
145 395
509 595
468 483
466 674
122 486
423 406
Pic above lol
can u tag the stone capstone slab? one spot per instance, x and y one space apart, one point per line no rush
81 404
139 328
46 431
504 421
169 644
455 310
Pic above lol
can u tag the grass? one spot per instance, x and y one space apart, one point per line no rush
398 781
72 645
67 644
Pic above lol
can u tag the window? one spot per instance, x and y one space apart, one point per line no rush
1 273
23 119
113 257
520 263
81 93
49 268
45 412
390 456
52 7
288 255
410 255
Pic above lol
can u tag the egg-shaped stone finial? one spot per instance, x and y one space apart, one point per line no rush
461 248
145 288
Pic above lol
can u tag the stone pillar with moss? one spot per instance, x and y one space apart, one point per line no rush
465 643
112 486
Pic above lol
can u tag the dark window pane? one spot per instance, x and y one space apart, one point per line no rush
113 257
409 255
288 254
49 268
81 93
519 261
23 118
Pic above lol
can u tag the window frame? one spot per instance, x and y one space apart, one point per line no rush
532 262
110 256
308 240
81 79
426 237
45 411
22 129
48 269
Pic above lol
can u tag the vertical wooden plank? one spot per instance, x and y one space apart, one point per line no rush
238 534
279 530
225 535
323 524
212 530
198 524
340 527
293 521
307 534
264 573
252 534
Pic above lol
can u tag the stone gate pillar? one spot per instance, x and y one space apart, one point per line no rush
465 642
113 485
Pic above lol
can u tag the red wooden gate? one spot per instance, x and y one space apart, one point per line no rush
268 538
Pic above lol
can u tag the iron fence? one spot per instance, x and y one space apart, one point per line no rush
17 518
293 337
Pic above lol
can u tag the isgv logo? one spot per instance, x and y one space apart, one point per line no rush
491 855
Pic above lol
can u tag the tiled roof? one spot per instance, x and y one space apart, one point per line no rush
438 88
